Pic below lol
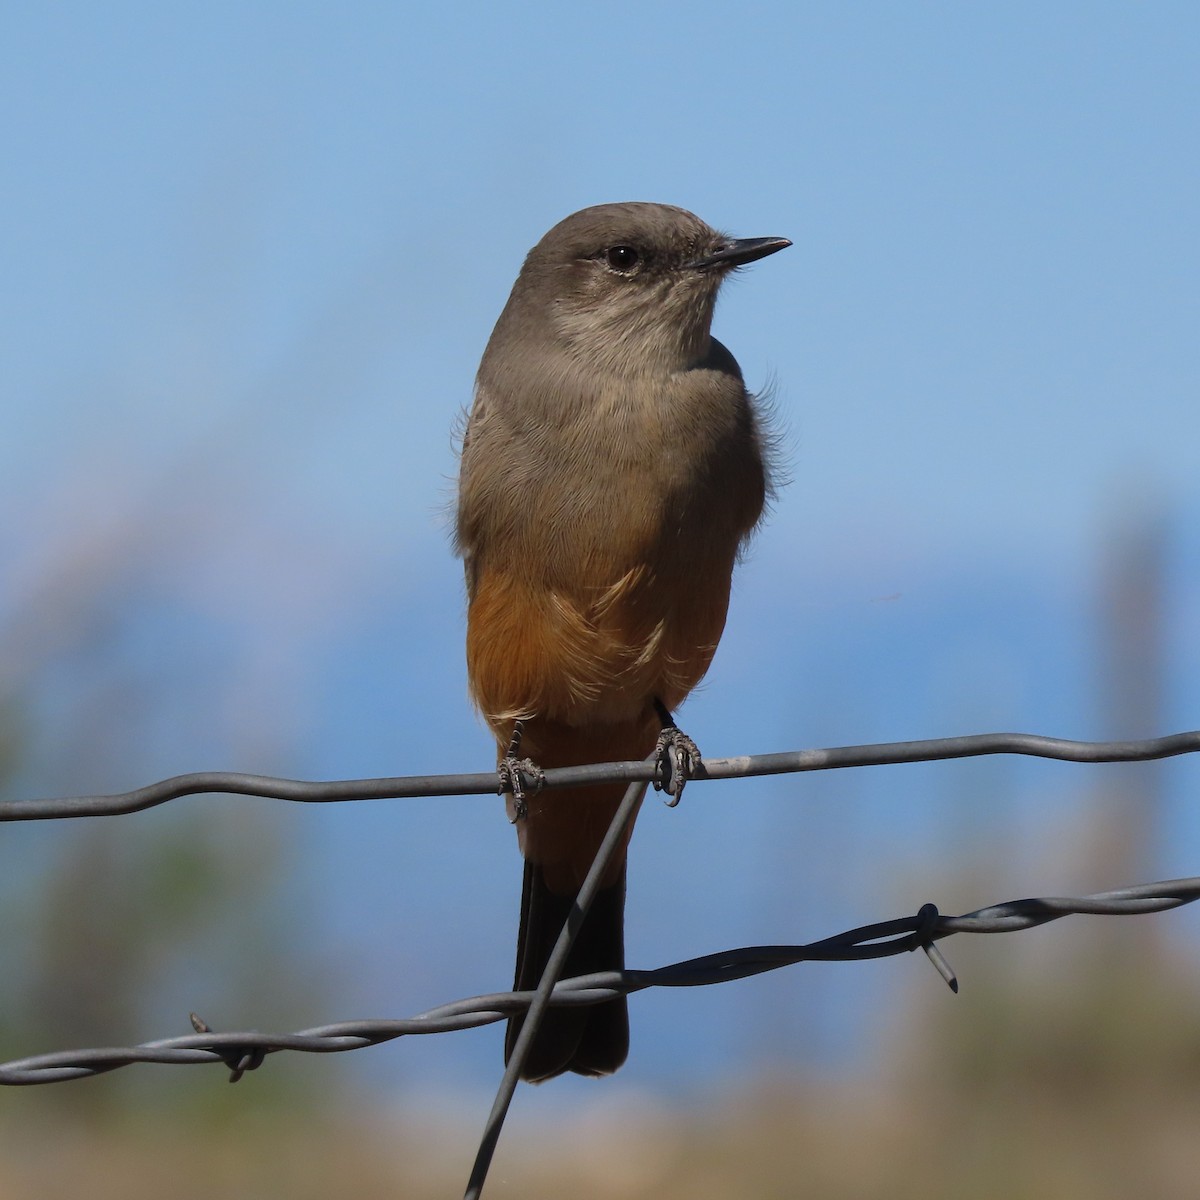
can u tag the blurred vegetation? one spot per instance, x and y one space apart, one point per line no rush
110 928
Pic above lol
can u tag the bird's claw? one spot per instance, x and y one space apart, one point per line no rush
517 776
677 758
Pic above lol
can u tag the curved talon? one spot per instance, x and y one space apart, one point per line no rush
515 774
677 759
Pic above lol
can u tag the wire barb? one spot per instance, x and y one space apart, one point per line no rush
923 935
238 1061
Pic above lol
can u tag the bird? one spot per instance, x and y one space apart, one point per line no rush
612 469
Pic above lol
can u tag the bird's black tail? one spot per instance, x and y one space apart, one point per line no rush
591 1039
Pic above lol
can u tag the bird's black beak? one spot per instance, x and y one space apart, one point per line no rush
737 252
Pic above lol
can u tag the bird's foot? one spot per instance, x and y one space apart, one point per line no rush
677 757
517 776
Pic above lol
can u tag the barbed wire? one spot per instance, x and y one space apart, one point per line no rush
484 782
241 1052
245 1051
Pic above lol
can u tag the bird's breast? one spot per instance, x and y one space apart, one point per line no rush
602 541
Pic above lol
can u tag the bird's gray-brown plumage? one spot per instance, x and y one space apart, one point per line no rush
612 469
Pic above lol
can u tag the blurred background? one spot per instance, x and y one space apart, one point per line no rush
251 256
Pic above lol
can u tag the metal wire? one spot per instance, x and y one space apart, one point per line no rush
242 1052
484 782
541 998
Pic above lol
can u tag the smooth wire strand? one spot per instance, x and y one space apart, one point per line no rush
546 986
484 782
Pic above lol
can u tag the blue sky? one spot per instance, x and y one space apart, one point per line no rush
252 256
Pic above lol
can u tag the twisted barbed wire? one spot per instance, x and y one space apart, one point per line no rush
883 939
241 1052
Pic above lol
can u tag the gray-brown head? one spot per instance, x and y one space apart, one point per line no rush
628 288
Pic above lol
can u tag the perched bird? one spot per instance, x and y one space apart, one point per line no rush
612 468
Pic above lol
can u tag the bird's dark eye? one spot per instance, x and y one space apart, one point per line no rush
622 258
